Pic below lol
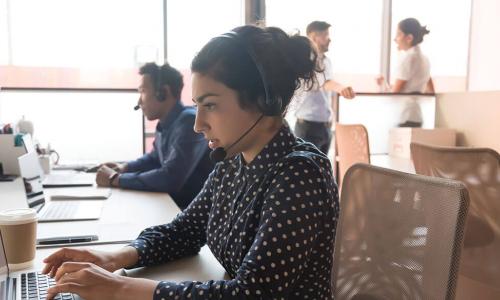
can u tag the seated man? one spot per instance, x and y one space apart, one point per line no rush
179 164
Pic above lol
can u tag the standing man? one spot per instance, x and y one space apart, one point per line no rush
314 107
179 164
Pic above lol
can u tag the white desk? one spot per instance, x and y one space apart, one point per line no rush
12 193
125 214
201 267
395 163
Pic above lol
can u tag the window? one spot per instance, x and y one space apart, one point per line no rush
355 32
85 33
192 23
4 33
80 43
446 45
79 125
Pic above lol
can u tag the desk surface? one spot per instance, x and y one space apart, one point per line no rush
12 193
395 163
125 214
201 267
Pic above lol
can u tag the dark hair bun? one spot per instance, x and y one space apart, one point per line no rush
255 57
425 30
300 48
412 26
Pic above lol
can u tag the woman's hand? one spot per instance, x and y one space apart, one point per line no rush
347 92
110 261
90 282
380 80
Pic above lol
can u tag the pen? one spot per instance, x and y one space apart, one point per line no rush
67 240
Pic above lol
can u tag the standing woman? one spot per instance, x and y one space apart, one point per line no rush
268 211
412 70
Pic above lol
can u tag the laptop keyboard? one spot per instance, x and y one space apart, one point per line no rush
60 210
34 286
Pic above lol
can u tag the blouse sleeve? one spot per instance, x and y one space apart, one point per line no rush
299 212
184 236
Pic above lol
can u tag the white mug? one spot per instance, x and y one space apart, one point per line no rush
46 163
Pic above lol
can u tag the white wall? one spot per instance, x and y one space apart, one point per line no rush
484 63
474 115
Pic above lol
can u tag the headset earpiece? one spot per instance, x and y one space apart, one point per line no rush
160 94
268 105
159 89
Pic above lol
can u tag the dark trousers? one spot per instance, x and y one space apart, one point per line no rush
411 124
318 133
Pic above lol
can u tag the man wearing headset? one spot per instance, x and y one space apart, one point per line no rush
179 164
314 110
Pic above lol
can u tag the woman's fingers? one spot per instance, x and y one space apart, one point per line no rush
69 287
70 267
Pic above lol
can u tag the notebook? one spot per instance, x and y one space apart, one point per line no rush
68 180
89 193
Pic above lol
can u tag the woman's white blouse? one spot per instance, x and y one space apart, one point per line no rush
414 68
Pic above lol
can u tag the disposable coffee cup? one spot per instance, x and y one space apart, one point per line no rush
18 228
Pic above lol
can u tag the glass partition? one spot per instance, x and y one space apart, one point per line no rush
380 112
355 32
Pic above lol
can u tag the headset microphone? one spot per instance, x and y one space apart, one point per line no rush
219 153
138 104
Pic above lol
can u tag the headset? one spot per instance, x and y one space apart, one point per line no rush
159 90
268 105
158 87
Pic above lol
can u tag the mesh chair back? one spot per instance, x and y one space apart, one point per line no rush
479 170
399 235
352 146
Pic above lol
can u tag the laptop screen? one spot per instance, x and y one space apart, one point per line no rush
28 143
32 173
4 271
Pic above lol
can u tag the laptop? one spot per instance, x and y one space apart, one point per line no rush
57 210
29 146
68 180
25 285
58 180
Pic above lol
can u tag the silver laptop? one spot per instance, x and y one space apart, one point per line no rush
59 180
68 180
57 210
25 285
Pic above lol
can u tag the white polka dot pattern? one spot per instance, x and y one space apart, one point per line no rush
270 223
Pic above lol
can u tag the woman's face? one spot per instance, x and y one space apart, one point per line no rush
219 116
403 40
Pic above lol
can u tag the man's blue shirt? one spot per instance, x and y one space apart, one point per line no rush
179 164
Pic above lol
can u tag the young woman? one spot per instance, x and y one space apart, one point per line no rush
268 211
412 70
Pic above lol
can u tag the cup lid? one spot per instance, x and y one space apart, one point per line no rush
17 216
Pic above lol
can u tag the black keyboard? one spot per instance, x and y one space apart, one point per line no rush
34 286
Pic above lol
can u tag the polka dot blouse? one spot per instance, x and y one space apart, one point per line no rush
270 223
